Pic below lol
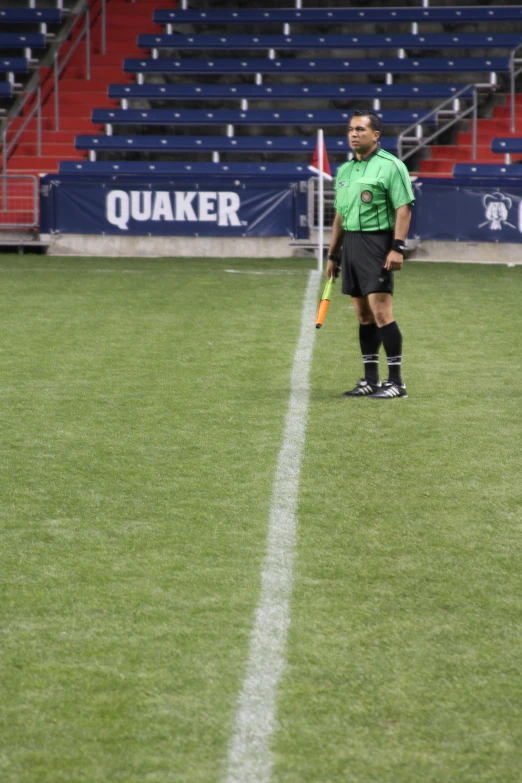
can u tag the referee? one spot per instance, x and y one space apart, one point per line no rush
372 204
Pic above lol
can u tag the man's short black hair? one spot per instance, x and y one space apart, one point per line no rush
375 121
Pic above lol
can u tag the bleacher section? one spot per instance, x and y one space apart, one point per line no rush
306 16
273 43
26 42
206 76
13 65
284 92
252 117
212 144
288 65
326 65
511 148
287 171
487 170
507 147
20 45
31 17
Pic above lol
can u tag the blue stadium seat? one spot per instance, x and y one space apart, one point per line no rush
331 42
318 65
14 65
30 16
258 144
487 170
246 16
507 147
272 92
502 145
22 41
252 118
288 170
6 89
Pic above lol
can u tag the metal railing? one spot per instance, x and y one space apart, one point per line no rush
515 69
81 17
19 201
417 141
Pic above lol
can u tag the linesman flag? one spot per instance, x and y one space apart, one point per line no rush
317 159
324 303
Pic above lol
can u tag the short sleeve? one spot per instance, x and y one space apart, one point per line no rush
400 190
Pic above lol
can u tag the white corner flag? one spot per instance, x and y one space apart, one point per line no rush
321 166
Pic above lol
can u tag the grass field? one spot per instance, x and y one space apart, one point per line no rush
142 410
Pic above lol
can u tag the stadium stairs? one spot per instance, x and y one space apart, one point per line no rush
77 95
444 156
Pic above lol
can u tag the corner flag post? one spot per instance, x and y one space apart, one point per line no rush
321 167
320 249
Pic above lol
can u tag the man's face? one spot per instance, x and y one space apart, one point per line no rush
361 137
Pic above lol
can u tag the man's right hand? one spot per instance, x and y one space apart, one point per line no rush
332 269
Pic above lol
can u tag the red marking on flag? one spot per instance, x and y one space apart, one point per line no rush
326 172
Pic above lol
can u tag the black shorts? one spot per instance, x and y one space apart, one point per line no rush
363 258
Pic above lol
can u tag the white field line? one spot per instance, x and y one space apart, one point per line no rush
250 757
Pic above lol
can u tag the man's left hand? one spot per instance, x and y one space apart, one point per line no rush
393 261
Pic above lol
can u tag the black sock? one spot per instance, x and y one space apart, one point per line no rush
370 340
392 340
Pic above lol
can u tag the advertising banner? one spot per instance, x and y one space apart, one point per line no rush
467 211
143 207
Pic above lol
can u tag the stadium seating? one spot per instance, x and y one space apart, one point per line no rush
6 89
27 17
215 43
277 92
22 41
285 170
239 144
506 147
14 65
487 170
246 16
332 65
251 118
330 42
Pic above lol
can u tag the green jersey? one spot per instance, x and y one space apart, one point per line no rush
369 191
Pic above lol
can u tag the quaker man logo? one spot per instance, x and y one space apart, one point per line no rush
366 196
497 208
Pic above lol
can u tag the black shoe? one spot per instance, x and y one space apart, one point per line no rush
363 388
388 390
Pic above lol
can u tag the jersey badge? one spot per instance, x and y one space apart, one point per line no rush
366 196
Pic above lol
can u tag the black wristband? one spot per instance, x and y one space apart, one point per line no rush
333 258
399 245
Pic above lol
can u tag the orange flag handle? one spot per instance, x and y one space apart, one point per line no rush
323 304
321 312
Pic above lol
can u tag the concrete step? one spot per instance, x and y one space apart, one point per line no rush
48 137
67 86
120 49
461 154
67 110
99 60
483 137
504 112
437 166
47 165
108 74
50 150
98 99
497 126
